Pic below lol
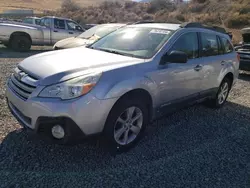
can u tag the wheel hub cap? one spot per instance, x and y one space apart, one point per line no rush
223 93
128 125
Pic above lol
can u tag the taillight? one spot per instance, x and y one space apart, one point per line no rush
238 57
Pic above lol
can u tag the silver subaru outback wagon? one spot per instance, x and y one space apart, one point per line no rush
119 84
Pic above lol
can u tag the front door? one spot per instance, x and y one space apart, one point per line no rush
59 31
74 29
180 81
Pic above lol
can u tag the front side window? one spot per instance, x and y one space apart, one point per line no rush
59 24
209 44
187 43
47 22
73 26
134 41
226 45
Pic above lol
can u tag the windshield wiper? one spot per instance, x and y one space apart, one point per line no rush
115 52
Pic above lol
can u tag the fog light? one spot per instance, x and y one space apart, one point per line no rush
58 131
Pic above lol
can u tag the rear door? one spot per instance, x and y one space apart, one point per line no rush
59 31
211 59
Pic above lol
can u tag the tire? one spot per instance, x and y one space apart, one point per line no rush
113 125
20 43
217 102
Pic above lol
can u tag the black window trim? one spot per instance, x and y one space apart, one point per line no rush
224 48
220 45
201 44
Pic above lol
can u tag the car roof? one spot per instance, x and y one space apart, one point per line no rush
112 24
168 26
55 17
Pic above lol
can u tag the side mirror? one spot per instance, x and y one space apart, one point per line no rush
174 57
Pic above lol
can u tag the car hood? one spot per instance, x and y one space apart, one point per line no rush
74 42
56 66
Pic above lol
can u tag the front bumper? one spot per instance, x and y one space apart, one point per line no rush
87 113
245 65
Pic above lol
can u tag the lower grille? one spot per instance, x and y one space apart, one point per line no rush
20 115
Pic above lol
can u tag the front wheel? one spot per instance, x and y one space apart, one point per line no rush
126 123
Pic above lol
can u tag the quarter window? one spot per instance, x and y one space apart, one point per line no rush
59 24
209 45
187 43
226 45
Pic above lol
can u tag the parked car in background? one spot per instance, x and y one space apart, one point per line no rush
244 50
32 20
117 85
88 37
20 36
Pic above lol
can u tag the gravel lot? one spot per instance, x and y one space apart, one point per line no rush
195 147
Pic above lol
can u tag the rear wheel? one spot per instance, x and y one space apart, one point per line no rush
126 123
20 43
221 95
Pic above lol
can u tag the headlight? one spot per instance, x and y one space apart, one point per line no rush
72 88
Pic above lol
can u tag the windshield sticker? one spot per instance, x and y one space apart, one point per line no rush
160 31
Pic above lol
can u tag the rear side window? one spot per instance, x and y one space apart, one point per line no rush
209 44
59 24
226 45
187 43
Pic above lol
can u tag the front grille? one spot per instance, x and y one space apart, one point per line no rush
245 57
22 84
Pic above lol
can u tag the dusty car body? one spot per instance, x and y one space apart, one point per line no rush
88 37
20 36
117 85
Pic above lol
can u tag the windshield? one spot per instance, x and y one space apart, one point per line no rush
136 42
99 30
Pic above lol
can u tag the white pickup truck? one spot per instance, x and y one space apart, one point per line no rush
20 36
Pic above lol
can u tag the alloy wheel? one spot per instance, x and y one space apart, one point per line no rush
222 95
128 125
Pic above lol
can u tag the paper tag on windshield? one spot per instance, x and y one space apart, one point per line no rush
160 31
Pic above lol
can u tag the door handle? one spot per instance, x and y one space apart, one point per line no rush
55 31
198 67
223 63
71 33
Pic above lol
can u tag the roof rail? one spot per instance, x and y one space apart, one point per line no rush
212 27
